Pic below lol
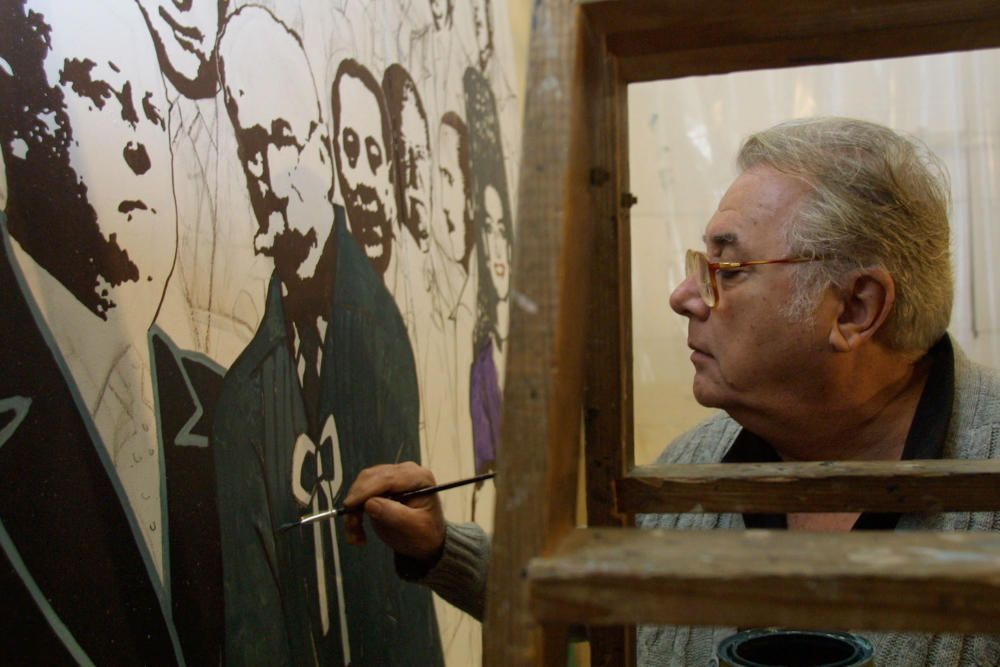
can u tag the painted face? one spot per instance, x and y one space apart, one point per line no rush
364 165
416 171
749 359
449 223
279 131
495 235
482 21
113 97
441 12
184 33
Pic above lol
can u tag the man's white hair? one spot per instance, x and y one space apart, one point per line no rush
878 199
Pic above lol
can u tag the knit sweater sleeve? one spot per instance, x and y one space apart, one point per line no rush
459 576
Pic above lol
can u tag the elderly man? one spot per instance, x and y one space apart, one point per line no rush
816 319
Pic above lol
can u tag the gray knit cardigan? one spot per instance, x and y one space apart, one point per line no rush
973 433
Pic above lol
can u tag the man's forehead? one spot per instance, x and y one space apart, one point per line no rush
414 125
281 103
358 103
731 227
754 210
738 234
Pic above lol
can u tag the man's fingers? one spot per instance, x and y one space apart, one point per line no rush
389 514
384 480
414 529
354 529
415 532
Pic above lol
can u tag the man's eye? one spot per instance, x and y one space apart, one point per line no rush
255 164
281 133
374 153
728 274
352 147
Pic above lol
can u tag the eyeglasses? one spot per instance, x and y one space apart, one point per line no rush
698 266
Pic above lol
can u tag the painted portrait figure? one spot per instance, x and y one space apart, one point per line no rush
411 155
362 147
86 255
452 230
410 276
494 241
452 308
282 599
326 387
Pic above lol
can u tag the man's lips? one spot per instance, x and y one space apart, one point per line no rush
698 352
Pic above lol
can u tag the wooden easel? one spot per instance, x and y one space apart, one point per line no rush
569 369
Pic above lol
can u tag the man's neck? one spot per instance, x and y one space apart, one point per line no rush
873 404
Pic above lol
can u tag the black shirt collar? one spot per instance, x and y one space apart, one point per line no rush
925 439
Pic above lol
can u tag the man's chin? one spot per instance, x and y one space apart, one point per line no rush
707 393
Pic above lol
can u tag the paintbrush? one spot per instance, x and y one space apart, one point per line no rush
398 497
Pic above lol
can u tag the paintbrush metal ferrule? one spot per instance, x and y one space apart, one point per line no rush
398 497
336 511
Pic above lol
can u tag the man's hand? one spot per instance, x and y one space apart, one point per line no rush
414 529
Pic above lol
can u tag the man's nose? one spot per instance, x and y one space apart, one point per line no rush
686 300
136 157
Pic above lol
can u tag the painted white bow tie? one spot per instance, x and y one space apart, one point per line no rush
317 476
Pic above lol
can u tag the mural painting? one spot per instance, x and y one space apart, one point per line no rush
249 249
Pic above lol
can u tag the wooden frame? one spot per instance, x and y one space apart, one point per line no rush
570 345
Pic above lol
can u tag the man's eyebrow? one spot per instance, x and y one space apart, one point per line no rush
722 240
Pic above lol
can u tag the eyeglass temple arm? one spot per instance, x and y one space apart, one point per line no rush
757 262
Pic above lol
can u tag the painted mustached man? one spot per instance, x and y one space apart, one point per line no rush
326 387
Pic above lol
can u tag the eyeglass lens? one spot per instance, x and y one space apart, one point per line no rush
697 267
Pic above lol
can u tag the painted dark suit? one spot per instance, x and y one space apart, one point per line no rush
369 391
186 386
61 512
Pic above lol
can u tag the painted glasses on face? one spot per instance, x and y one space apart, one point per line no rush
702 269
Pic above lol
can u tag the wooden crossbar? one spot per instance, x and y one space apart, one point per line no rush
943 582
653 40
827 486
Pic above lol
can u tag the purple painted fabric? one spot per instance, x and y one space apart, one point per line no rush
484 404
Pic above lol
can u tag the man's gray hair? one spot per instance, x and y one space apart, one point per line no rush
879 199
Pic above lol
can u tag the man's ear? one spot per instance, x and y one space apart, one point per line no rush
865 303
